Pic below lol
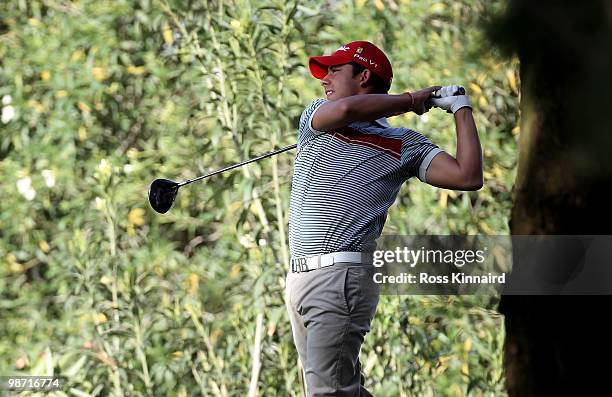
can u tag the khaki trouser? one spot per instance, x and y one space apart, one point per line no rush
331 310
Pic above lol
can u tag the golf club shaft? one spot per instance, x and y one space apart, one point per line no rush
231 167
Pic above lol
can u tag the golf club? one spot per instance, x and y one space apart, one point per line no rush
162 192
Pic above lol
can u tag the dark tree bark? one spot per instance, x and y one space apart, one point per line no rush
560 345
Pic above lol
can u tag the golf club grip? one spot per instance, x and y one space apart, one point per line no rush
429 104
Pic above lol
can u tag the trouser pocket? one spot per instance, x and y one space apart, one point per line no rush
358 290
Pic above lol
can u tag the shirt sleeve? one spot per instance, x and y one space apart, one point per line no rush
306 131
417 153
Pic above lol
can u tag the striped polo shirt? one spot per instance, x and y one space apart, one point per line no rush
345 180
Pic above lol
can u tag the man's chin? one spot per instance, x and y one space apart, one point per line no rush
334 95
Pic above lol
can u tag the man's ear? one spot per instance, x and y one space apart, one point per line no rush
366 75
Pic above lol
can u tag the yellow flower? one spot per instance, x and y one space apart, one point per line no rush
214 336
112 88
437 8
82 133
465 369
132 154
235 271
482 101
237 26
443 198
193 283
61 94
512 80
99 73
45 75
34 22
467 345
13 265
100 318
486 228
476 88
76 55
38 107
167 34
136 217
84 107
44 246
137 70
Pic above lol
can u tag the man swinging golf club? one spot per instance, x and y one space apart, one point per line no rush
348 170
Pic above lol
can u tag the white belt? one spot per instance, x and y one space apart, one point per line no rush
308 263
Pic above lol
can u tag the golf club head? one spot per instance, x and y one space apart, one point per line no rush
162 193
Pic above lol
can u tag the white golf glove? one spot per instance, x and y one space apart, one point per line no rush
445 99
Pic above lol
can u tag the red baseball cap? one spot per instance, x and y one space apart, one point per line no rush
361 52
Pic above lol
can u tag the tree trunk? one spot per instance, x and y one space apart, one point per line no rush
558 345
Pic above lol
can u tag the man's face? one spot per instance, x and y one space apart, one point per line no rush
340 81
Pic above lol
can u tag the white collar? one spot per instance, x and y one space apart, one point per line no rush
383 121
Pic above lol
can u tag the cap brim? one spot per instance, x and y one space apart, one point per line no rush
318 65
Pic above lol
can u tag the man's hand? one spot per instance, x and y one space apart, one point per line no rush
464 171
445 98
418 101
420 97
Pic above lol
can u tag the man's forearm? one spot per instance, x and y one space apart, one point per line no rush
367 107
469 152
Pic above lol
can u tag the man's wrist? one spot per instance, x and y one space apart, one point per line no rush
463 109
461 102
403 107
411 100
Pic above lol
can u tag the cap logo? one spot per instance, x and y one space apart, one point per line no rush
343 48
366 60
359 50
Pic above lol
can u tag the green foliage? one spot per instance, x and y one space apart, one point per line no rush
106 96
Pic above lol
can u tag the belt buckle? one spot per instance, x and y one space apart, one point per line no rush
299 265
